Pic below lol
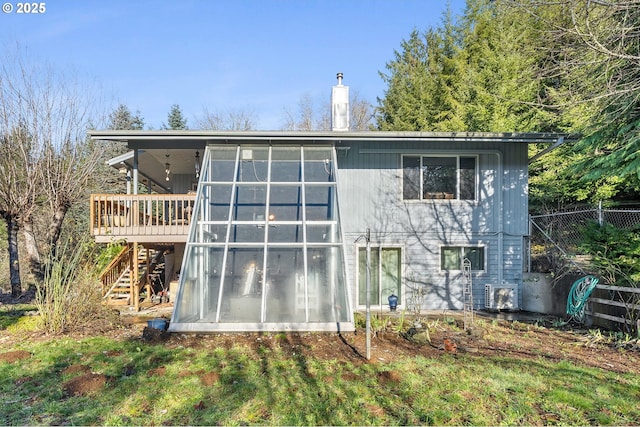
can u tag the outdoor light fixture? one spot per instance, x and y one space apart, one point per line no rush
197 164
167 168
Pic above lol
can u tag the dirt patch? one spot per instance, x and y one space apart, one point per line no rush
160 371
76 369
14 356
349 376
389 377
515 340
84 385
375 410
154 335
490 338
210 378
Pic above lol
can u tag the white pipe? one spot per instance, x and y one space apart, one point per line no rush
500 216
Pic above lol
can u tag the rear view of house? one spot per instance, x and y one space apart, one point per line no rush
267 227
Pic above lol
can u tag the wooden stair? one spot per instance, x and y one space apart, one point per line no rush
119 284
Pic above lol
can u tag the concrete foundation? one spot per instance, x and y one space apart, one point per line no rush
541 295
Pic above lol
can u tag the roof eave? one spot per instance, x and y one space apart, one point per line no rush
202 137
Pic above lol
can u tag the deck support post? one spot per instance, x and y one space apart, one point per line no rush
147 273
134 278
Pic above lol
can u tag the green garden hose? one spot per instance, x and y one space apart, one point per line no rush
578 296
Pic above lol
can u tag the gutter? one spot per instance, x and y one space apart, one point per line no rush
320 136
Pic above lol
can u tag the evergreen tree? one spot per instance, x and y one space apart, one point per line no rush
448 72
405 105
487 73
425 83
591 48
608 35
104 180
175 119
479 74
502 84
122 119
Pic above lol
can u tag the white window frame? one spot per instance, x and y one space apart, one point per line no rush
462 247
402 272
456 197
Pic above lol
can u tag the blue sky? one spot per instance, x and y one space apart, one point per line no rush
260 56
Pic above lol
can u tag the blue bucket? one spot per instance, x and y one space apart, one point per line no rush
159 323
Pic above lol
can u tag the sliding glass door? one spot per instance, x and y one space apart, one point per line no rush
386 275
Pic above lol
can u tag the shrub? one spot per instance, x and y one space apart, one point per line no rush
107 254
615 252
69 297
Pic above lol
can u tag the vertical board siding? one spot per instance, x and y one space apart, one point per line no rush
371 198
516 199
182 183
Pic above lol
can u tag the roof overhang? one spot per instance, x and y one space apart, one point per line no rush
152 170
192 139
178 147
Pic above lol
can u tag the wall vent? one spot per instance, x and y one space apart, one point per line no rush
503 297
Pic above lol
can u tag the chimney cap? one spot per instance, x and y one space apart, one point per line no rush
339 76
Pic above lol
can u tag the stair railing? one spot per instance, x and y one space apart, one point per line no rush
121 263
114 270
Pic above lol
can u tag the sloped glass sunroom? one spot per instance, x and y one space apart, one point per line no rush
265 251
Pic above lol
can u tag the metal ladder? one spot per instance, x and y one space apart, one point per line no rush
467 294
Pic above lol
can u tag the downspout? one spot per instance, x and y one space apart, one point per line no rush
500 217
555 145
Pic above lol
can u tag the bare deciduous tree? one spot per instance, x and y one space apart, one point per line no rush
308 117
18 187
44 115
227 120
361 112
65 171
304 118
593 50
595 44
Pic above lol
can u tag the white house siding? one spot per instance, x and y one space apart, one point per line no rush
370 191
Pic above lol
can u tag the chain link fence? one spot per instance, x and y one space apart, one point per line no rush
555 238
555 242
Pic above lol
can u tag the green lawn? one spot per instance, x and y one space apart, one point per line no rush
268 384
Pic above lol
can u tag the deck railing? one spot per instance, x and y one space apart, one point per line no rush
141 217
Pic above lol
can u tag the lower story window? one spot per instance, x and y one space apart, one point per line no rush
386 275
451 257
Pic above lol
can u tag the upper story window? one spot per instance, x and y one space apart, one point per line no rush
439 177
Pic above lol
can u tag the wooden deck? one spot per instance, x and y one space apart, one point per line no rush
142 218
